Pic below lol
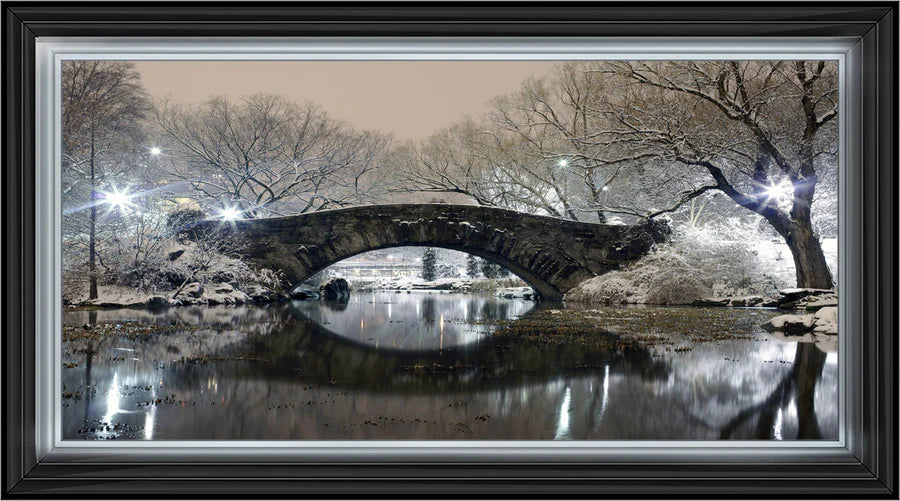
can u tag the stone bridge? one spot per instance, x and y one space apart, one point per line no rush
550 254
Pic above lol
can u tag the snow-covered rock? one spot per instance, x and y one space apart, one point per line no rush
259 294
826 321
822 322
526 293
821 301
223 294
193 290
790 324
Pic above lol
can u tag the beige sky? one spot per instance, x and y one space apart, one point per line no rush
410 98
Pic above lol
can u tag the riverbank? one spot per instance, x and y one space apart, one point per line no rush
214 294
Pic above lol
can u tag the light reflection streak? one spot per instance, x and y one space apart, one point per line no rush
604 403
779 422
562 428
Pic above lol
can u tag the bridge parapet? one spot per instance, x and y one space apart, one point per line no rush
552 255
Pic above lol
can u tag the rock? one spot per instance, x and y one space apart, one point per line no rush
825 320
712 301
818 302
158 302
175 254
221 277
526 293
225 294
746 301
193 289
771 302
797 298
790 324
336 289
303 294
259 294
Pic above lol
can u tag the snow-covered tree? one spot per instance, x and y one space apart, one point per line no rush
267 155
104 104
642 139
429 264
489 269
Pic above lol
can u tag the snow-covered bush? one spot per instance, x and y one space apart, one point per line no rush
711 260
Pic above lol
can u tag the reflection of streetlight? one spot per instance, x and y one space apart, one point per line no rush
391 260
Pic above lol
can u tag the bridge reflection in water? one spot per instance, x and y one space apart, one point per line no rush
336 372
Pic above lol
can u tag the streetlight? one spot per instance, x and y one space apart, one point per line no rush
563 163
155 151
230 214
117 199
605 188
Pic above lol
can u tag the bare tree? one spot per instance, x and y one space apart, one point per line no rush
266 154
103 107
645 138
759 131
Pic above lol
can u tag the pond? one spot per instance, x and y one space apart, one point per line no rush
423 366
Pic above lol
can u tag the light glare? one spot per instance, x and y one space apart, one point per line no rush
563 163
155 151
116 198
230 214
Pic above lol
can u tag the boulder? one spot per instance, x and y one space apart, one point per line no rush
221 277
822 322
193 289
712 301
790 324
818 302
158 302
526 293
746 301
335 289
260 295
224 294
303 294
825 320
797 298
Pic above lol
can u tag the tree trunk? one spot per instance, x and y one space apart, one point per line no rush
809 259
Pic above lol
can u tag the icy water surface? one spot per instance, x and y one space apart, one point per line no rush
426 366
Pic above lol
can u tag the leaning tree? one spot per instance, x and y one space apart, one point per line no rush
761 132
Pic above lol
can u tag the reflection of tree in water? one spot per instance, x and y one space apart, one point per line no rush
494 310
428 311
335 305
800 385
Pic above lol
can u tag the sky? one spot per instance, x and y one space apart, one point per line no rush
412 99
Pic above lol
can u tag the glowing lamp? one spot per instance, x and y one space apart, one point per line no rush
230 214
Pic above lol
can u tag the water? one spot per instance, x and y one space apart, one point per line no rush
425 366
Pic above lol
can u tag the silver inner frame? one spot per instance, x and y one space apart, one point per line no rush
50 52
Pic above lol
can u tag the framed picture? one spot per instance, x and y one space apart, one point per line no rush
450 249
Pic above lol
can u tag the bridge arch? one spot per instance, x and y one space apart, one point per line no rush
550 254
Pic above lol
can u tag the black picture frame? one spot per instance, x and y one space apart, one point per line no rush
866 469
